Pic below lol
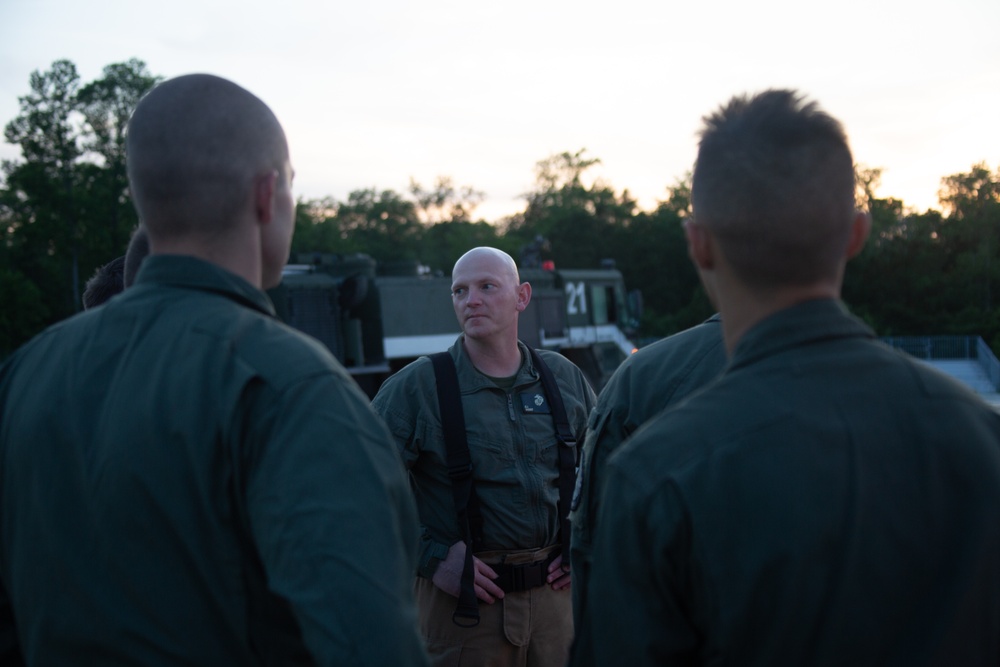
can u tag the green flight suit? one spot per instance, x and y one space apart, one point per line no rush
827 501
186 480
513 446
649 381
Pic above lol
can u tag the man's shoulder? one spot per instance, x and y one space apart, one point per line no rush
57 339
284 350
697 342
665 371
412 382
420 370
269 348
558 362
566 373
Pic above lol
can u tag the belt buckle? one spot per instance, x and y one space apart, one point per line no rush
517 577
526 576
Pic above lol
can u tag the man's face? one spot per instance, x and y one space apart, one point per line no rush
486 296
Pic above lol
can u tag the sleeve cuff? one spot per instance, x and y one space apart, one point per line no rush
432 556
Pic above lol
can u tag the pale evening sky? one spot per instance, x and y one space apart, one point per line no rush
374 93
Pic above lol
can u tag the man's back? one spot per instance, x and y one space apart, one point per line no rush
182 479
653 379
829 503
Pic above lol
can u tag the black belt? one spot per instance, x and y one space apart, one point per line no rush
513 578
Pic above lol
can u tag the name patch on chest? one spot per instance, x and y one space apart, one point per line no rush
534 403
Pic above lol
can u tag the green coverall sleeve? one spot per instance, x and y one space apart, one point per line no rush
640 575
402 426
334 521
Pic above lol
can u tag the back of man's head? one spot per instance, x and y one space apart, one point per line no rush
106 282
774 183
195 145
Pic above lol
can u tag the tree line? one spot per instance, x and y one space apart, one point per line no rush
65 210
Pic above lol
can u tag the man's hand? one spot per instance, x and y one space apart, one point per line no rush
448 576
559 577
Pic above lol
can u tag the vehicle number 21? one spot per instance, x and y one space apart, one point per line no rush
576 299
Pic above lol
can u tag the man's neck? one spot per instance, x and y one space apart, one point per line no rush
494 358
743 310
237 254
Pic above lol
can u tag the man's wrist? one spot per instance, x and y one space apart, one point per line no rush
432 557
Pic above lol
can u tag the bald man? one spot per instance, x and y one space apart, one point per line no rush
183 479
518 581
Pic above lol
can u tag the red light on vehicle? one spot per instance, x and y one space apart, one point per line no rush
548 265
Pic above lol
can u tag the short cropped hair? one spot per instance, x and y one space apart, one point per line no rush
194 145
107 281
774 183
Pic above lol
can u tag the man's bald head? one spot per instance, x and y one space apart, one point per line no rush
195 145
484 252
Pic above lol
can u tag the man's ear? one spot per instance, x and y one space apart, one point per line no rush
860 229
263 192
699 243
523 296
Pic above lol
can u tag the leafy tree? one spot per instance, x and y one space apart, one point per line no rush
679 197
443 243
923 273
973 204
971 194
445 203
65 203
382 224
652 255
106 105
317 228
64 210
43 192
577 219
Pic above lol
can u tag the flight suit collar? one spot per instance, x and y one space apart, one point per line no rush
192 273
808 322
470 379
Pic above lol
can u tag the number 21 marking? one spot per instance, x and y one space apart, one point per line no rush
576 299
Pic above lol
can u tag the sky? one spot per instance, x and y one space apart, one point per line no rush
375 93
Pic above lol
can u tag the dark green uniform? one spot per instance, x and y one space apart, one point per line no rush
513 446
512 443
827 501
652 379
185 480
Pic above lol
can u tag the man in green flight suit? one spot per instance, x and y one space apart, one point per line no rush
827 500
654 378
184 480
525 620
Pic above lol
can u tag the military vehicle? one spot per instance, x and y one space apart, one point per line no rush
376 319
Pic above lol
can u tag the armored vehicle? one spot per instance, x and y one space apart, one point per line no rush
376 319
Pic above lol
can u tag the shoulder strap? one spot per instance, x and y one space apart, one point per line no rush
460 472
567 448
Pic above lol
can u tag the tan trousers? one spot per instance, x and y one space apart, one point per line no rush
532 628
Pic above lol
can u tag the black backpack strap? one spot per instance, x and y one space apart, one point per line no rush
460 472
567 449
